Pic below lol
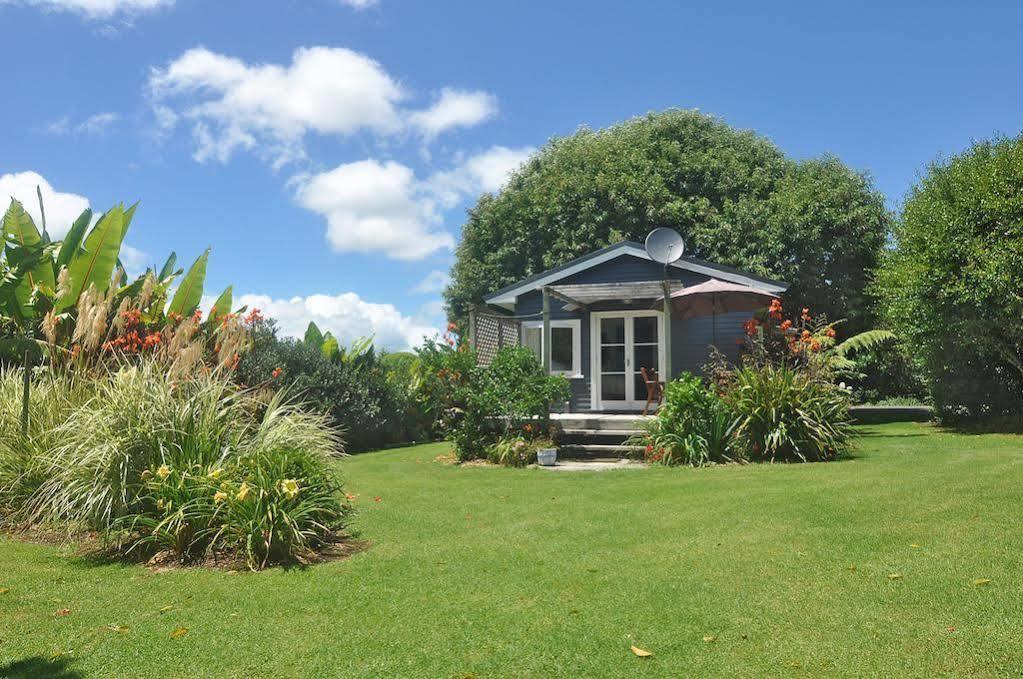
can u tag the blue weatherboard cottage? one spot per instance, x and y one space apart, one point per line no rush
604 316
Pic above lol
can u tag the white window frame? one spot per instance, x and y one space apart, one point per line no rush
576 373
638 404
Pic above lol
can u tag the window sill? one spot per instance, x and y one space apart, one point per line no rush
570 376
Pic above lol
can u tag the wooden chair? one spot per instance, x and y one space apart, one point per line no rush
654 389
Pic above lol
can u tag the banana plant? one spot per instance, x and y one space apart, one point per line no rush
38 276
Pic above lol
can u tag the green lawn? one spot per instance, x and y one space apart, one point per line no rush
732 571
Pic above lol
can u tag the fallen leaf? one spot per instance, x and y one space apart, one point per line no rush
166 608
951 629
895 576
709 639
636 650
915 546
4 590
179 632
852 568
376 499
980 582
62 612
120 629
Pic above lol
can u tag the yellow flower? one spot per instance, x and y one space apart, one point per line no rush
159 503
290 488
215 473
243 491
163 472
219 496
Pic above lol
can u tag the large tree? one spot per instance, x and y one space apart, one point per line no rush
953 283
733 195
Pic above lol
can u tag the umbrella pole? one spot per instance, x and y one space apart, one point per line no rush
714 320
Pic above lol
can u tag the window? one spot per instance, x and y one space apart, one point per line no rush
566 352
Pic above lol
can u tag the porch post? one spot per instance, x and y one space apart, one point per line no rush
666 377
472 327
546 348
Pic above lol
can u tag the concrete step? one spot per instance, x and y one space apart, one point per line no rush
597 451
587 433
600 422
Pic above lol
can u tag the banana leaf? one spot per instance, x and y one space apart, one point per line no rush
21 234
73 240
222 307
189 293
94 263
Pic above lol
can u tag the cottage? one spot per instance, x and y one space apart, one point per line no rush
604 316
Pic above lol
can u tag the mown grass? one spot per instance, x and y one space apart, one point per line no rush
734 571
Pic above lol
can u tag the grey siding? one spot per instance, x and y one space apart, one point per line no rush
691 338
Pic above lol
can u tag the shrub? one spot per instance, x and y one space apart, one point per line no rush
783 414
358 396
951 284
690 428
152 463
511 397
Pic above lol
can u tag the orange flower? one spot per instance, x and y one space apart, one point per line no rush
830 332
785 325
276 373
807 336
806 314
255 316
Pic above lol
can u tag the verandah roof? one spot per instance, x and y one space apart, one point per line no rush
581 295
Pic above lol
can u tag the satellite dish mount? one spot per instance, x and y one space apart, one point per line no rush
665 246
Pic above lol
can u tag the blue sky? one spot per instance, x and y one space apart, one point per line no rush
327 149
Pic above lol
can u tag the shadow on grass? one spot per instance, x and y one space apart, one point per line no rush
37 666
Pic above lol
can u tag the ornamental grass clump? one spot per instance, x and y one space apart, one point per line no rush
192 469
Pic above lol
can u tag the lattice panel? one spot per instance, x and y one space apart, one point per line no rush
494 333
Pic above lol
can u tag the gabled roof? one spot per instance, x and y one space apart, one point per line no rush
506 296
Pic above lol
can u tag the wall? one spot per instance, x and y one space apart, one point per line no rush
690 338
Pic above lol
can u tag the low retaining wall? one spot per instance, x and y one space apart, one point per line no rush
883 414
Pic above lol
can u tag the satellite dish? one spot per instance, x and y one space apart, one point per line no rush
665 245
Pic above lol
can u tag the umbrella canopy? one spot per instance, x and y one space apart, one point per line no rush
718 297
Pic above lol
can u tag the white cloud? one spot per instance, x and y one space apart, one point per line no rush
135 261
381 207
96 124
96 9
347 316
375 207
235 105
232 105
486 171
435 281
62 209
454 108
359 4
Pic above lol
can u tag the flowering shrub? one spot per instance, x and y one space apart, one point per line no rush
783 414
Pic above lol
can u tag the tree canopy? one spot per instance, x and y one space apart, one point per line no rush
952 284
733 195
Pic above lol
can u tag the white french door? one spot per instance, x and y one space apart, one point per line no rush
621 343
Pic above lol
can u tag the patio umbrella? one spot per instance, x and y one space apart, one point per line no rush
714 297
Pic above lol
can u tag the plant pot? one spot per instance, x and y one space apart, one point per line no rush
547 457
